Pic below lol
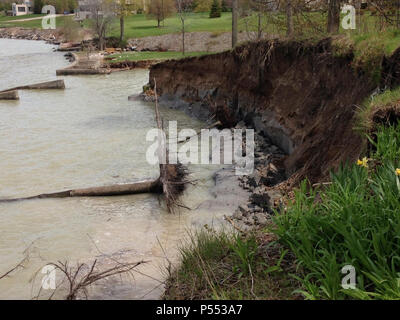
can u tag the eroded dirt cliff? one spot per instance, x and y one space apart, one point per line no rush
301 96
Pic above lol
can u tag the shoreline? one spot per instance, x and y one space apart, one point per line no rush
20 33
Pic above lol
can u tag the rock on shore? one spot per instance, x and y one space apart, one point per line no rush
51 36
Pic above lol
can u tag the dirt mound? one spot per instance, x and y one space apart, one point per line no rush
300 95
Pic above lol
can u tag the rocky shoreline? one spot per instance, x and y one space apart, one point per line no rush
264 198
50 36
258 196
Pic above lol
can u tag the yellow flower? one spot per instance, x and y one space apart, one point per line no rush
397 172
363 162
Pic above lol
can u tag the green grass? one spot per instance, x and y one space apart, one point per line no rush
384 100
28 16
354 221
148 55
34 24
138 26
223 265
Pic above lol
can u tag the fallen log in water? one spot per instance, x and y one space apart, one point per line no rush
171 182
76 71
56 84
9 95
152 186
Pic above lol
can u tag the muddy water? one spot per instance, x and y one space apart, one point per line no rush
87 135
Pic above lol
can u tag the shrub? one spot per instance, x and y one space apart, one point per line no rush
215 9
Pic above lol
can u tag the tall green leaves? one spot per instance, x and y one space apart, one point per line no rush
354 221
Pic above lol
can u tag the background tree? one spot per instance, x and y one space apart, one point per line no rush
224 6
37 6
235 17
102 17
124 8
184 7
333 16
160 10
289 18
215 11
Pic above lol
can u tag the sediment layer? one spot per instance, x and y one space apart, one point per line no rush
299 95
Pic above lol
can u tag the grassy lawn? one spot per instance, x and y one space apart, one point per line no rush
28 16
138 26
141 56
4 21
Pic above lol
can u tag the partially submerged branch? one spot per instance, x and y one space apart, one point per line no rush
78 279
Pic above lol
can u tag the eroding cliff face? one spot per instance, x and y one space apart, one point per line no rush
299 95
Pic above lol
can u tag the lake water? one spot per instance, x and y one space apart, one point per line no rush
86 135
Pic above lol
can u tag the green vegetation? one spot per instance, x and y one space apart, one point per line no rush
28 16
4 21
138 26
215 11
149 55
222 265
354 221
386 100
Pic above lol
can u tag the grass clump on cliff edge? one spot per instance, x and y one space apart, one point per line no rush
354 221
385 103
224 265
368 50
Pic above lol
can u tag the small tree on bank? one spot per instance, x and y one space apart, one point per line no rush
333 16
184 7
103 14
160 10
235 17
215 9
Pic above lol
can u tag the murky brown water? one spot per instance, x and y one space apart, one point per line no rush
87 135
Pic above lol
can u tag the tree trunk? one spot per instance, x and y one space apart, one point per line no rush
259 35
234 23
333 16
183 37
122 28
289 18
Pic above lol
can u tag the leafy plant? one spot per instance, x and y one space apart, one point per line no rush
354 221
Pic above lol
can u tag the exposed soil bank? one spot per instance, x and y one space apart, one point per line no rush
298 94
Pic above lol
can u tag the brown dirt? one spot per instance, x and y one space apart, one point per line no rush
194 42
297 89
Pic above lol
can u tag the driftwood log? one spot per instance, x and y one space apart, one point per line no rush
56 84
171 183
9 95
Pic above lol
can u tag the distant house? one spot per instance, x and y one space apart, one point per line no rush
20 9
84 10
85 7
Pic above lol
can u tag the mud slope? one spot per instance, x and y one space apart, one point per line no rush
299 95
